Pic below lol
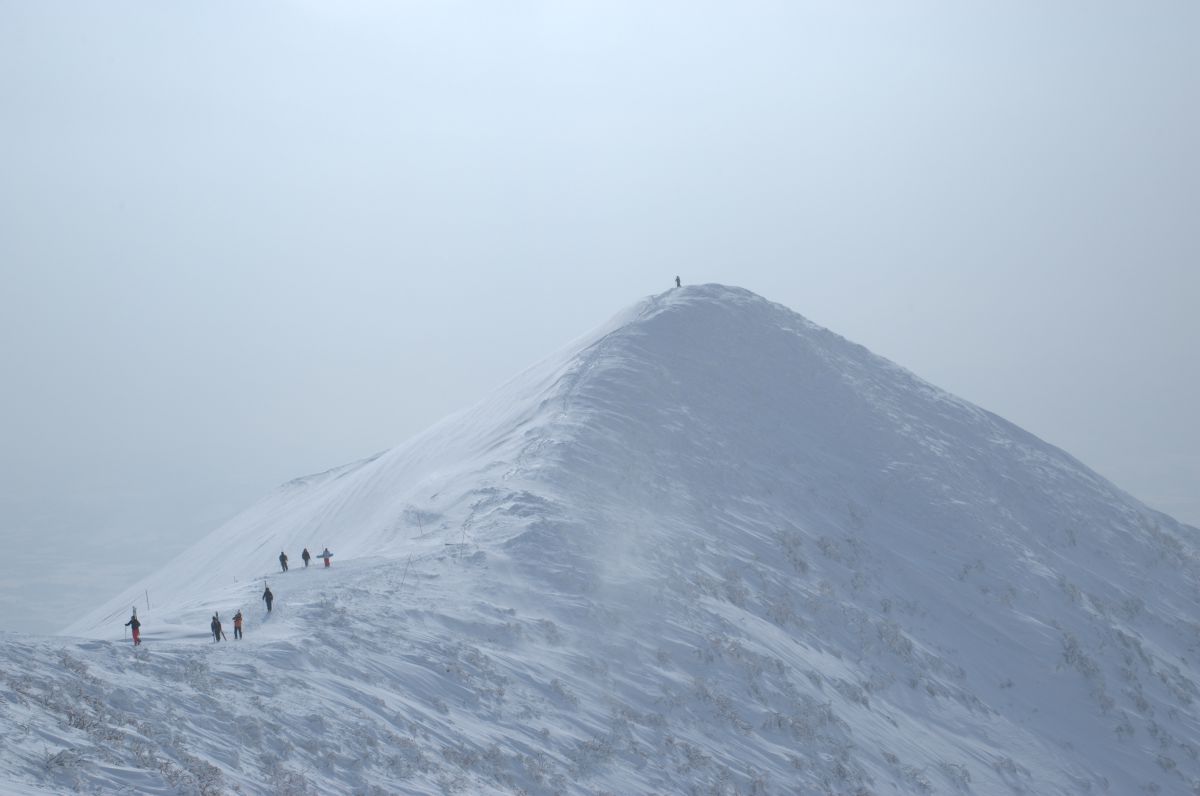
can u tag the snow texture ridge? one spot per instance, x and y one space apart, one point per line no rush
709 548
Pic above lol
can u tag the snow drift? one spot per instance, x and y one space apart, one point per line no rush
710 548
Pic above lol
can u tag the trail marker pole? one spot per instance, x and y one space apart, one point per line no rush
405 572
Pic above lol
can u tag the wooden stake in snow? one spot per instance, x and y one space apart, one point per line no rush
405 575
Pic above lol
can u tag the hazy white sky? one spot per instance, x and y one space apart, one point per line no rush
244 242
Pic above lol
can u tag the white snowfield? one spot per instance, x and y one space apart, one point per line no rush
711 548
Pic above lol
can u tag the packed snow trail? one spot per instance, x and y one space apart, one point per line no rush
709 548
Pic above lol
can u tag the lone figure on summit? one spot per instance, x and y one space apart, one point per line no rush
677 282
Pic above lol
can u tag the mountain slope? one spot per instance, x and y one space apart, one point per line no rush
709 548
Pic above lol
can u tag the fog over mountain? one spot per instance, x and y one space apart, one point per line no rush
711 547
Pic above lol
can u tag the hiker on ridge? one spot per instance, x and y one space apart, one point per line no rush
270 598
215 626
237 624
134 624
325 554
677 282
283 560
306 557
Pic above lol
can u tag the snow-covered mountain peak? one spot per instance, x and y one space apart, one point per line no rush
659 356
710 547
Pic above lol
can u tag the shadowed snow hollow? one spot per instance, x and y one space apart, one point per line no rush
709 548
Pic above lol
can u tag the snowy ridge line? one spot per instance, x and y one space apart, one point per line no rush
711 548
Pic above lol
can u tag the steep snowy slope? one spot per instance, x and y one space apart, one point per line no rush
711 548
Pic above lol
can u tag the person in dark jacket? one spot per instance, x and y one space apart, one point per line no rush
134 624
237 625
677 282
215 626
270 598
283 560
305 555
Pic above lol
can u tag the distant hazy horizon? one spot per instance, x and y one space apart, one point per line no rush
241 244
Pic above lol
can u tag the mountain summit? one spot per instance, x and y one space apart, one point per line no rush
709 548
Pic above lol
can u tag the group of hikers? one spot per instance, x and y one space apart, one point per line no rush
306 556
215 625
218 633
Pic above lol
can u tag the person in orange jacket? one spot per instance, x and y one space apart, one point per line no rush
237 625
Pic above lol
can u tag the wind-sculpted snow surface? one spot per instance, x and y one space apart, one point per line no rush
711 548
